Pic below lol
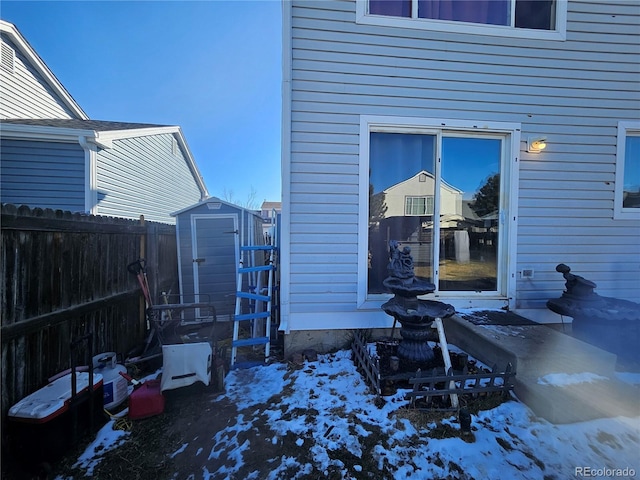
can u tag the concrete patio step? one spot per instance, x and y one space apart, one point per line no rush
578 402
535 351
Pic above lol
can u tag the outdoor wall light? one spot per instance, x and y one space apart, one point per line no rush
536 144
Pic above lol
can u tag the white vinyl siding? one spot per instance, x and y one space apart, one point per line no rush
142 175
42 174
627 171
25 94
572 92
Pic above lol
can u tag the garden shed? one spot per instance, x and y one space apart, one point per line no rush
209 236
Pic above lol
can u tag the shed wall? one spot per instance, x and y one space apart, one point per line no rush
249 233
574 92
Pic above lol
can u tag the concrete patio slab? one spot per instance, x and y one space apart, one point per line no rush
536 351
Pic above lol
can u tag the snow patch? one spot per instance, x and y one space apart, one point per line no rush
631 378
566 379
329 409
106 439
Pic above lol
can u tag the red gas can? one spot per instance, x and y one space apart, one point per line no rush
146 400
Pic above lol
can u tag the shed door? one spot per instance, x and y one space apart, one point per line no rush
215 245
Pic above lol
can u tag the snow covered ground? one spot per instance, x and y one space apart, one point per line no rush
326 407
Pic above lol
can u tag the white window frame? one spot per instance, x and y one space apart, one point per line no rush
559 33
505 296
625 128
428 202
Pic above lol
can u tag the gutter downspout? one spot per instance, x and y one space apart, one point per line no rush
285 246
90 174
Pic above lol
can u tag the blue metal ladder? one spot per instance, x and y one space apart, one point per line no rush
259 303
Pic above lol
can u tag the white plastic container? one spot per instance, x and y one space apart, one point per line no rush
53 399
115 385
42 427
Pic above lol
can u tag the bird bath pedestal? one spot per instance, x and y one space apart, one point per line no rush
415 315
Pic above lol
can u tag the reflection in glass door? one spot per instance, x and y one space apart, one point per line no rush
414 199
469 217
401 201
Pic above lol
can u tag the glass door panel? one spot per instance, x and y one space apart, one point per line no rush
469 214
401 201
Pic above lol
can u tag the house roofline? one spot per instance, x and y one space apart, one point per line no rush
429 174
27 50
192 163
38 132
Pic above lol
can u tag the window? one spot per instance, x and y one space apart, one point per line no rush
443 189
627 188
527 18
418 205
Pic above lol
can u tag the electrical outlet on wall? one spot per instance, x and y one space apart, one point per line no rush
527 273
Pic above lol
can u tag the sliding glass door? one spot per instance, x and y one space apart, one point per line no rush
440 193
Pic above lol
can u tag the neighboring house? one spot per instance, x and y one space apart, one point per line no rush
416 195
29 88
103 168
53 156
269 212
406 209
376 91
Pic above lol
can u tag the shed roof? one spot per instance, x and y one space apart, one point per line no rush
212 200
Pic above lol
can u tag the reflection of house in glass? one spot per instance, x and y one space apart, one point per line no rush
406 197
405 212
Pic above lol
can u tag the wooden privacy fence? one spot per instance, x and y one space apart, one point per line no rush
65 275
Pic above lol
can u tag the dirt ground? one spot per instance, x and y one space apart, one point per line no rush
191 415
191 419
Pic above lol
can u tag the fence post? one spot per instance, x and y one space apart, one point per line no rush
153 267
142 303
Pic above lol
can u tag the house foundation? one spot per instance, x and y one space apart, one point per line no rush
328 340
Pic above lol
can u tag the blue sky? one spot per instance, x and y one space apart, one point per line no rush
212 67
467 163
